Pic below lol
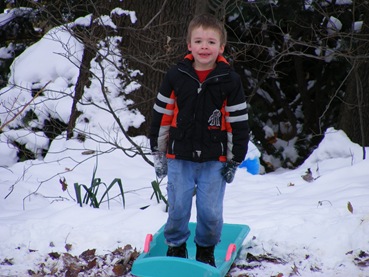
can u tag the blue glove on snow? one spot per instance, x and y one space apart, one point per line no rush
229 170
160 164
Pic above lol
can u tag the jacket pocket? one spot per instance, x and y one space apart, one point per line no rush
218 136
176 134
219 142
180 144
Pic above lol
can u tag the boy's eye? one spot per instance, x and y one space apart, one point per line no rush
209 42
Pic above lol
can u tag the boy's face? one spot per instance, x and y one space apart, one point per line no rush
205 47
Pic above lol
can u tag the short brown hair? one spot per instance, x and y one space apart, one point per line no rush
207 21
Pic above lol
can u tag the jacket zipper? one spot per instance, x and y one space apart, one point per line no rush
198 92
207 79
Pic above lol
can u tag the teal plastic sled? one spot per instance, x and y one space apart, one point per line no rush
153 262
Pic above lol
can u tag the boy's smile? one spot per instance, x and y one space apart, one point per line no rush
205 47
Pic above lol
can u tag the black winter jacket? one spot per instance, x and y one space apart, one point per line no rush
200 121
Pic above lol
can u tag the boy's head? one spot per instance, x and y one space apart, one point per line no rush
207 21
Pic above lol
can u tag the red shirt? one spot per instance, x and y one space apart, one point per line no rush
202 74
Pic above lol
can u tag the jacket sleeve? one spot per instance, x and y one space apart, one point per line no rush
237 122
162 116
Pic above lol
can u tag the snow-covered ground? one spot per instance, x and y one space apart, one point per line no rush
307 226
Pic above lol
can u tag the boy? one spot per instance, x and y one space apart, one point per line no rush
199 136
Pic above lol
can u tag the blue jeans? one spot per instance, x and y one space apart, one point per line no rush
183 177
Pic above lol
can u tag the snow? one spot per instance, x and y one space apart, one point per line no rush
9 15
308 3
288 217
308 225
132 14
334 25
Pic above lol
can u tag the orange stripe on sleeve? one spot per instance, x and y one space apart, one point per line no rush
168 119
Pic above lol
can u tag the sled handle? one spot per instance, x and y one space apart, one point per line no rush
231 248
148 240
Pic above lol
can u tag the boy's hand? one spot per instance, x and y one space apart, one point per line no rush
229 170
160 164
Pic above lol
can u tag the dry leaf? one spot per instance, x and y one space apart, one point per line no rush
63 183
54 255
308 176
88 152
349 207
88 255
91 264
295 269
68 247
118 270
74 270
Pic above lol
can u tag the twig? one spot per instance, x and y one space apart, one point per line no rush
280 193
24 107
320 203
155 16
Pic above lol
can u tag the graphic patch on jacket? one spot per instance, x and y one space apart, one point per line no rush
214 119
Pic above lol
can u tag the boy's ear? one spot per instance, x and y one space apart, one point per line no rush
189 46
221 49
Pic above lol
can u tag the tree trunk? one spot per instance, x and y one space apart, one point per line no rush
2 6
89 53
354 119
202 6
152 44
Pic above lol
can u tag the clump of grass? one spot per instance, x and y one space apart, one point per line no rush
91 193
158 194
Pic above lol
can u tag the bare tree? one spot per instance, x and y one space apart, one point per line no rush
300 62
354 117
97 42
151 45
89 53
155 42
274 47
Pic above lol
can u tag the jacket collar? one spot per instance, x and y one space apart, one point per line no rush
186 65
219 59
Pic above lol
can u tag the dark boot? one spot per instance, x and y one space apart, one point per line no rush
178 251
205 255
